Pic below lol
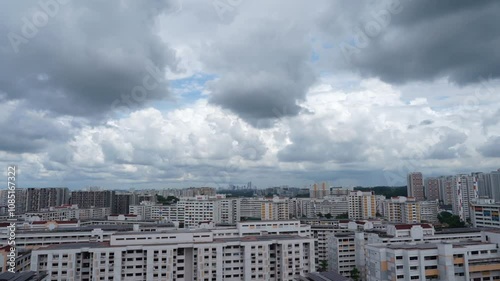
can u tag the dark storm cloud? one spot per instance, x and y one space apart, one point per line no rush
264 72
84 58
424 40
491 148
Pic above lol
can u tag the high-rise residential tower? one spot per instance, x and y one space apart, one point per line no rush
415 186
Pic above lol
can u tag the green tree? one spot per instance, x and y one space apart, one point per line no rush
323 266
450 220
320 215
342 216
328 216
355 274
166 201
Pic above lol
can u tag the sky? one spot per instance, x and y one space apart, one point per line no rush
179 93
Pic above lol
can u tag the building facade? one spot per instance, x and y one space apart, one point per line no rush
415 186
362 205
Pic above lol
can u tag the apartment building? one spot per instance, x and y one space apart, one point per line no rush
415 186
402 210
122 202
432 189
310 208
319 190
275 209
485 213
429 211
362 205
448 261
42 234
248 252
22 260
43 198
465 189
265 208
86 199
321 234
342 253
151 211
20 201
216 209
251 207
66 213
446 190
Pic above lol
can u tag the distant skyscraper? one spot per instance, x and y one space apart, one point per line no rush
432 189
415 186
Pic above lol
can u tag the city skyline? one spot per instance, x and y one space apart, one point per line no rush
208 94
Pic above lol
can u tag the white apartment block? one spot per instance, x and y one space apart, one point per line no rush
151 211
464 190
429 211
362 205
251 207
485 213
277 209
402 210
342 253
68 213
447 261
41 234
408 210
344 247
310 208
265 209
321 234
192 211
248 252
216 209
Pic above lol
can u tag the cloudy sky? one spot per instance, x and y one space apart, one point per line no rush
179 93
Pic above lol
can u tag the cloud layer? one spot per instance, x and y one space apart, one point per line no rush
187 93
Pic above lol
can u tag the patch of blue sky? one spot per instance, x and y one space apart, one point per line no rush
185 91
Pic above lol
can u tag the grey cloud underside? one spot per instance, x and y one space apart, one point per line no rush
264 72
87 56
83 62
432 39
491 148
